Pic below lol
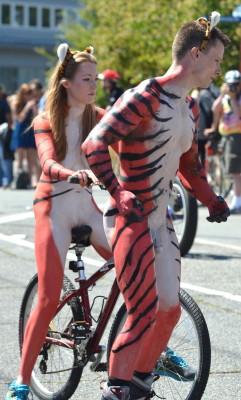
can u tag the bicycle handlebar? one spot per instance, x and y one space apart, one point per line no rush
75 179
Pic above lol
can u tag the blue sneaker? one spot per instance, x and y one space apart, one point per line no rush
17 392
170 364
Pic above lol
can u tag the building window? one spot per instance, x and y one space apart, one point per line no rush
5 14
19 15
45 17
32 16
58 17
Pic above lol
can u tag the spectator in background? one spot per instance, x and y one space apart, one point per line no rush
25 109
109 80
205 100
36 88
227 118
6 155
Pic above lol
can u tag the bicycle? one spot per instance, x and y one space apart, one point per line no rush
74 335
214 165
183 211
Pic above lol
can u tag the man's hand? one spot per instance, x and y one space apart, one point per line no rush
129 206
218 210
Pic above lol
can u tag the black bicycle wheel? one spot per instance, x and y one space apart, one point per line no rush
184 213
190 341
56 374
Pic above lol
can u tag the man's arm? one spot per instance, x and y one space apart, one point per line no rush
194 179
115 126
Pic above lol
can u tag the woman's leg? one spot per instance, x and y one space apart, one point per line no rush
50 279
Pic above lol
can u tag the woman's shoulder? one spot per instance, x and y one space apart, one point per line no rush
42 121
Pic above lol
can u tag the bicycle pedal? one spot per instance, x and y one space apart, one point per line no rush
101 367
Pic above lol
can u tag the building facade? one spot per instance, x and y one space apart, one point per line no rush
24 26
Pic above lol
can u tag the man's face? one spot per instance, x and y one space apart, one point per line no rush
209 65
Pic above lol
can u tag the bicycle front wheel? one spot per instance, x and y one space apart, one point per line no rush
184 213
190 341
56 373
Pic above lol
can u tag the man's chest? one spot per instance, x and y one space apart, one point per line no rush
172 125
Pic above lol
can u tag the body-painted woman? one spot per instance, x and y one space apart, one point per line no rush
58 205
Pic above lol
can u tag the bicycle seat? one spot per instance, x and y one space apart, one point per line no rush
81 234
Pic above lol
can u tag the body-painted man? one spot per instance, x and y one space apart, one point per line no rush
154 126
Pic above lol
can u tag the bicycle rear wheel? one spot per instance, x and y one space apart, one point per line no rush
190 340
56 372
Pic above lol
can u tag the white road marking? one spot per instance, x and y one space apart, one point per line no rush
219 244
212 292
16 217
18 240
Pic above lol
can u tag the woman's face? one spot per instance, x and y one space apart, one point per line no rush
81 89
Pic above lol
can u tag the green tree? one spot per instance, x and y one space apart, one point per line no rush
135 37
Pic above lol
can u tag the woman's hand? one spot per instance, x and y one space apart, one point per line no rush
83 176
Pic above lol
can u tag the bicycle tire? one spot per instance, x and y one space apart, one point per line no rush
183 210
53 385
190 330
218 179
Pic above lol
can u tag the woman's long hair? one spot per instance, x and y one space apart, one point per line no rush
57 106
20 99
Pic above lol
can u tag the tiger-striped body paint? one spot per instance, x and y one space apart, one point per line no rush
58 206
153 125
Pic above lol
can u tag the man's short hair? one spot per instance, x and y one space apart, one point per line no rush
191 35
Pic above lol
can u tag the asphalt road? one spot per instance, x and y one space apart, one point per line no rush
211 273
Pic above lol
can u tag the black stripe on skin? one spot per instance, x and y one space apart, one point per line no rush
135 340
107 128
141 156
119 234
117 115
139 177
36 201
174 244
134 109
161 101
100 163
160 89
177 259
50 167
140 300
44 181
194 119
142 314
36 131
149 137
45 151
149 189
96 153
40 143
170 230
137 269
192 103
128 259
111 212
103 173
142 279
152 164
153 197
142 99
